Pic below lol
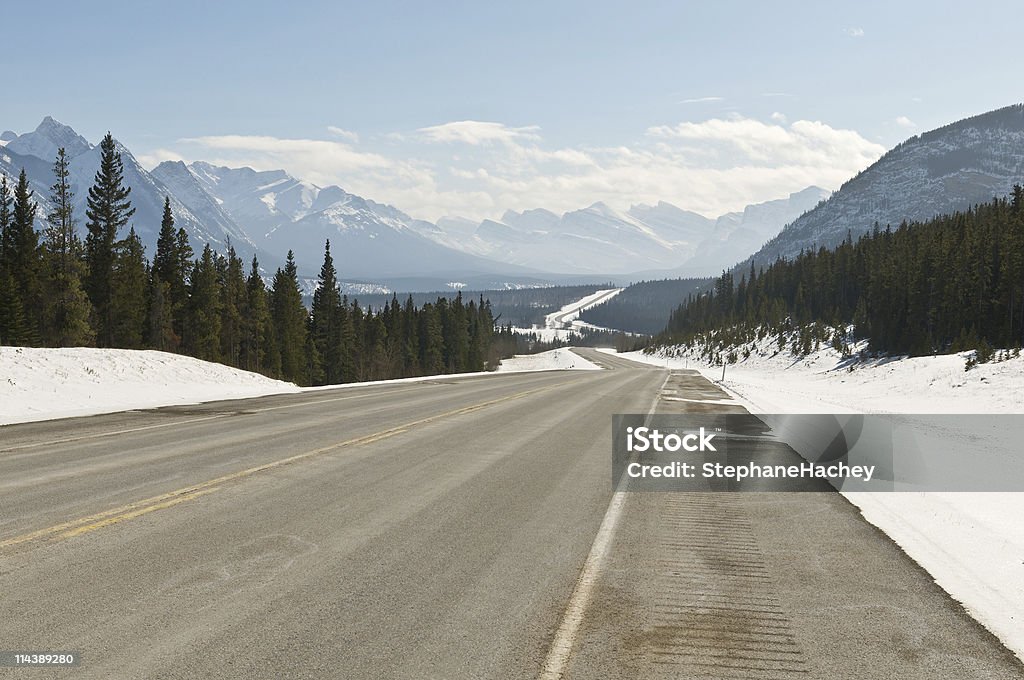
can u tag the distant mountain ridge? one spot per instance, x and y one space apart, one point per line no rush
601 240
266 213
947 169
258 213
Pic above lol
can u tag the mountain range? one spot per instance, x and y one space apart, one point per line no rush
600 240
266 213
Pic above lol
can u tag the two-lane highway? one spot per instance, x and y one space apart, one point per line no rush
410 530
455 528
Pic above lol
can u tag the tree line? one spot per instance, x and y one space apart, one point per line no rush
57 290
952 283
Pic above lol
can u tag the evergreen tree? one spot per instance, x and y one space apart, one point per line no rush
6 199
169 271
12 315
108 209
66 309
129 284
160 327
232 306
204 308
288 317
258 338
326 327
23 261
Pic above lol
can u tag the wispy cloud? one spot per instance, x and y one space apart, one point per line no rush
702 100
854 32
347 135
476 132
905 122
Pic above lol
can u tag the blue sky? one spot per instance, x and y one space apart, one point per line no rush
473 108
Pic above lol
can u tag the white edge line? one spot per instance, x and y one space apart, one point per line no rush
557 660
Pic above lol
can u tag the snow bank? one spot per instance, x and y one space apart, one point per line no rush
971 543
552 360
44 384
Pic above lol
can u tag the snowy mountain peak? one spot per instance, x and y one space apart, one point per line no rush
49 136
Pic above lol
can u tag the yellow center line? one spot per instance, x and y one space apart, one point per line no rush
106 518
114 433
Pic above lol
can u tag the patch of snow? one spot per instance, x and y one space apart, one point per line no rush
560 359
45 384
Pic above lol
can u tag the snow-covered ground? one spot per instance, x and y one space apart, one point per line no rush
971 543
566 322
43 384
552 360
46 384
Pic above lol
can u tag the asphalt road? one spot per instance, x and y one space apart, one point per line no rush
562 320
440 530
421 530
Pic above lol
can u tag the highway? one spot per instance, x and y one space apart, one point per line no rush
454 528
563 318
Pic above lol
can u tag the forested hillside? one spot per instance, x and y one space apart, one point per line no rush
58 291
643 307
952 283
522 307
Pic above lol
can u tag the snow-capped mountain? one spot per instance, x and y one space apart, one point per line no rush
35 151
602 240
945 170
183 186
368 239
47 138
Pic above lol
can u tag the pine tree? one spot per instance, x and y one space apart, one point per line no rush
66 307
325 325
108 209
204 308
160 321
6 199
258 336
232 306
289 320
168 270
129 284
12 315
181 287
23 260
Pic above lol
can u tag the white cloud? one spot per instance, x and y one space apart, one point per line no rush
854 32
158 156
746 140
905 122
779 117
711 167
477 132
347 135
701 100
